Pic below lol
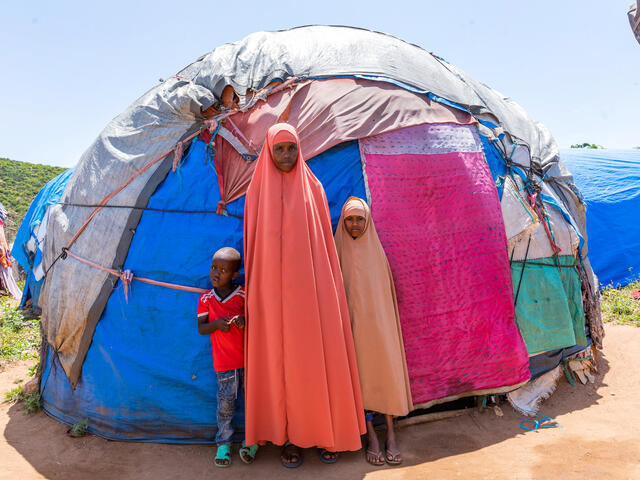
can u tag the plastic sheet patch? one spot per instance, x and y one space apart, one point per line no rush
438 216
549 309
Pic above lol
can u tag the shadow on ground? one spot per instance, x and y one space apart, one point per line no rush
43 443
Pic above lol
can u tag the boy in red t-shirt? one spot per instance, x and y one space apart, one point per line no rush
221 316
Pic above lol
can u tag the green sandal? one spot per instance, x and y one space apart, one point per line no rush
223 456
248 454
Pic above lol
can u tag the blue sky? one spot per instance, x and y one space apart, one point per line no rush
68 68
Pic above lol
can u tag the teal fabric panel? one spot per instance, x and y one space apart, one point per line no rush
549 308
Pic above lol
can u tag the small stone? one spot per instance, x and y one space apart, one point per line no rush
32 386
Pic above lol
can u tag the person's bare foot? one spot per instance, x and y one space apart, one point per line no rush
373 452
392 452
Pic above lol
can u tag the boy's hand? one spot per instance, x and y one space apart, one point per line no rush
221 324
238 321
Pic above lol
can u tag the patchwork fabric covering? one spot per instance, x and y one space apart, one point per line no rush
463 187
439 221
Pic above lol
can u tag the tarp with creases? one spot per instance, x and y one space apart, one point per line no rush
31 229
349 84
171 111
148 374
325 113
609 181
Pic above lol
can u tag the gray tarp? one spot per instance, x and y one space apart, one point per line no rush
74 295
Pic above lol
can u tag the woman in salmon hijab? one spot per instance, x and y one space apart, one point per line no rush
376 325
302 387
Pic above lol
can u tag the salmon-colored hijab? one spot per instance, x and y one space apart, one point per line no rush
301 371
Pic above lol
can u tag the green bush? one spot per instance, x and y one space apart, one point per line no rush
20 182
32 401
19 337
619 306
14 395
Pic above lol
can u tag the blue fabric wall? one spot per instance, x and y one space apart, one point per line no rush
148 375
609 180
49 195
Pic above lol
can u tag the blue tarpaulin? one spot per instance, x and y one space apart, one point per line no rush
148 375
609 180
49 195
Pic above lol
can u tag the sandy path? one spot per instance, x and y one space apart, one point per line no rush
599 438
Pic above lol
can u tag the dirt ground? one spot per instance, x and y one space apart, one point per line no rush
598 437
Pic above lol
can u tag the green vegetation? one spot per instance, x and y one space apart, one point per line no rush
586 145
79 429
19 337
20 182
33 370
32 401
14 395
619 305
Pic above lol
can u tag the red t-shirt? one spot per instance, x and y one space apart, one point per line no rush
227 347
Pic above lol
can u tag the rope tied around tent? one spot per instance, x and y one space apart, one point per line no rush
127 276
533 197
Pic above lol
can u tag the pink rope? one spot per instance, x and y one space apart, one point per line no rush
177 155
283 85
127 276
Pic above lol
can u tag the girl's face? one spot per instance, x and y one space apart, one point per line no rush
285 156
355 225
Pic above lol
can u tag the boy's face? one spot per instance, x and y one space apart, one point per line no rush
223 272
354 224
285 156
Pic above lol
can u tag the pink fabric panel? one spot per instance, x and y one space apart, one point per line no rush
439 220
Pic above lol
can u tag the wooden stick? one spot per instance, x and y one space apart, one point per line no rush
431 417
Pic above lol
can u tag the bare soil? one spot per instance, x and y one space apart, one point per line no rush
598 437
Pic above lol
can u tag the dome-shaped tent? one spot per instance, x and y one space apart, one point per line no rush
473 208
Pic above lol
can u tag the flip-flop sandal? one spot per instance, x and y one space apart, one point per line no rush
395 459
248 454
223 455
325 459
297 453
379 455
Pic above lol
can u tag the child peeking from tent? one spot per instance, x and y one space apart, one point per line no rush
375 324
221 316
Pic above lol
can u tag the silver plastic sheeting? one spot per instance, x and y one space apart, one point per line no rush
322 51
74 295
